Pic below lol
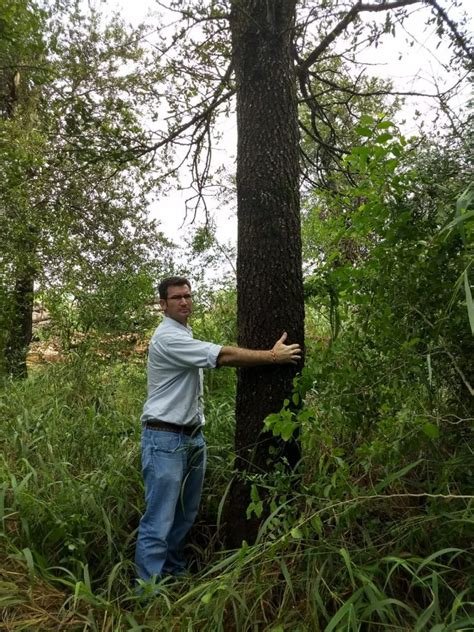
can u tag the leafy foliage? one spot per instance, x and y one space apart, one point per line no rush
74 200
397 350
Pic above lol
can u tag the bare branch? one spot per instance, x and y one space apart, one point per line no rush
375 93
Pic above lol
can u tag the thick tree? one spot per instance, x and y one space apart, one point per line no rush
269 269
21 52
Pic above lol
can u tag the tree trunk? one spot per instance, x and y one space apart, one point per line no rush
269 268
20 324
20 309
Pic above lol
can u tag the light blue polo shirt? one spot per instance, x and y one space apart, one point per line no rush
175 377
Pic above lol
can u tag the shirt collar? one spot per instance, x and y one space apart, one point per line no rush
174 323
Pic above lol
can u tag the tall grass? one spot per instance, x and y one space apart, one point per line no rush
70 471
340 549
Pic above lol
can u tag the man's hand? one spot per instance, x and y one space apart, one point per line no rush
285 354
280 354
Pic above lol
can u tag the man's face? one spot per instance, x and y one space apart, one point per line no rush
179 303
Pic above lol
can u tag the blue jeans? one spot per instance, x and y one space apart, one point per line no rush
173 468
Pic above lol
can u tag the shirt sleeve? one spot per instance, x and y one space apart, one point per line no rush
184 351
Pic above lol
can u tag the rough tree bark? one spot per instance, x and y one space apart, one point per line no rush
20 313
20 323
269 268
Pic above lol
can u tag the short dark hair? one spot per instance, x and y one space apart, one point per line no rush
168 282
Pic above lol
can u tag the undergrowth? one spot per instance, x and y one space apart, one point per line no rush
366 535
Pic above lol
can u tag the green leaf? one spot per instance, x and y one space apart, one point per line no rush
271 420
462 204
347 561
366 119
410 343
434 556
384 125
296 533
469 301
317 524
305 415
431 430
254 495
29 560
460 219
396 475
343 612
383 138
287 430
363 131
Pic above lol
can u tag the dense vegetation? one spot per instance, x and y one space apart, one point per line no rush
373 530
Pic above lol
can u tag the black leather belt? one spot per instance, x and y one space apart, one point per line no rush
169 427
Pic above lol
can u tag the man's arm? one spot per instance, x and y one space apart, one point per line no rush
279 354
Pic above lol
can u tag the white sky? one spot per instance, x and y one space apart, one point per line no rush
414 71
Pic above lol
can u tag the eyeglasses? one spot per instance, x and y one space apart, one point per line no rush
179 297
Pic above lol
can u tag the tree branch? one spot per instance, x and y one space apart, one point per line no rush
201 116
375 93
344 23
452 25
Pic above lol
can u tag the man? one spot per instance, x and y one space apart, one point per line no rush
173 447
